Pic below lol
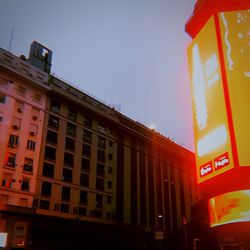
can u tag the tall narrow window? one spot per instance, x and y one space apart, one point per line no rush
55 106
31 145
2 98
13 141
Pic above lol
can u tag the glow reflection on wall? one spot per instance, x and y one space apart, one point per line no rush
229 208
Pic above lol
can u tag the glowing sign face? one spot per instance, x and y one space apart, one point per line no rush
3 239
212 139
229 208
235 36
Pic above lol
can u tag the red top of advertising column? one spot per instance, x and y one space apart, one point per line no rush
204 9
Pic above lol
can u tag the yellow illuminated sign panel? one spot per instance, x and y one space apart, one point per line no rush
212 138
229 208
235 36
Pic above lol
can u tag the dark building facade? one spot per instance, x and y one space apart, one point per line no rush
101 180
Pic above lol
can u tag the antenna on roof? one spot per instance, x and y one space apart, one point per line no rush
11 39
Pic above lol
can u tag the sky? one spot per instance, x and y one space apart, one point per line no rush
127 53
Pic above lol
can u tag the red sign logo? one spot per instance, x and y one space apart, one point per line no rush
206 169
221 161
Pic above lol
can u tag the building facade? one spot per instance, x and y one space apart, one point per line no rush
76 173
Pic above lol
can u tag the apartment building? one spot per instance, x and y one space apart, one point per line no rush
79 174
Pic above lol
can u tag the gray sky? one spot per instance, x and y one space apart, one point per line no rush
128 52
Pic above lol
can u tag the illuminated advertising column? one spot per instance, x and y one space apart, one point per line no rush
219 63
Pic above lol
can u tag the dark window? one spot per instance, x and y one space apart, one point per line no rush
85 165
72 114
101 142
111 144
86 150
99 200
83 197
109 199
84 180
82 211
99 184
87 122
46 188
2 98
109 184
25 186
31 145
87 136
110 156
11 160
71 129
51 137
70 144
53 122
64 208
48 170
68 159
66 193
101 156
110 170
100 169
96 213
67 175
101 128
28 165
54 106
13 141
44 204
50 153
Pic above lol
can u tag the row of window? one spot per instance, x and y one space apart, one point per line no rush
14 142
8 181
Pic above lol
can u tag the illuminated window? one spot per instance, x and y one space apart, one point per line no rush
101 128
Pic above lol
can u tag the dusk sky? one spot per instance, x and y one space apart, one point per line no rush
124 52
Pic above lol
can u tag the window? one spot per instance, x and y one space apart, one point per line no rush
87 136
109 199
82 211
99 184
28 165
54 106
50 153
87 122
36 97
33 129
101 142
44 204
101 156
72 115
83 197
85 165
35 114
84 180
111 144
53 122
71 129
13 141
31 145
67 175
25 186
46 188
19 107
100 169
64 208
110 170
68 159
70 144
16 123
101 128
99 201
20 90
86 150
48 170
7 180
51 137
2 98
109 184
11 160
110 156
66 193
